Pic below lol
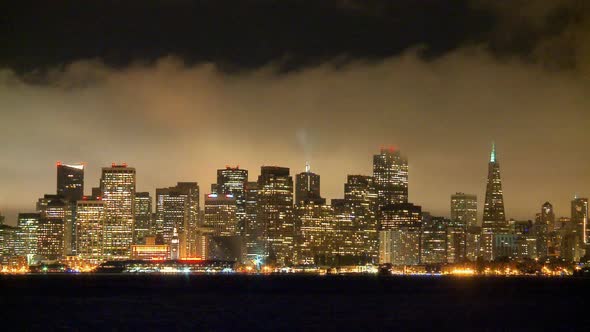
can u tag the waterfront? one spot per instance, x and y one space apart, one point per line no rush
239 302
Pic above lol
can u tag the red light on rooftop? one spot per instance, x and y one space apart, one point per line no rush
58 163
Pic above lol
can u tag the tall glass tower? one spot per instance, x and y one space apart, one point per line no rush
390 171
494 219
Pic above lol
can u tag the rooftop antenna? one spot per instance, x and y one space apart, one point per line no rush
307 167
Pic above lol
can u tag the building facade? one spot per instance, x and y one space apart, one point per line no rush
117 186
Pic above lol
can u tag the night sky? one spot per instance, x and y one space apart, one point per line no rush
180 88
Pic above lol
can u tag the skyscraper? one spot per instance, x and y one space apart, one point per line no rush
315 232
232 181
90 218
51 241
390 171
433 248
252 228
464 209
29 225
221 214
579 218
542 230
360 205
70 181
117 186
275 213
307 187
178 207
399 233
144 224
494 219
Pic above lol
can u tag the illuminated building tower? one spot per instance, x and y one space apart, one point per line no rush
232 181
224 241
144 225
473 243
464 209
433 240
117 186
307 188
221 214
253 229
178 207
51 230
400 215
360 203
275 213
90 218
70 181
29 225
70 185
175 246
69 219
390 171
315 233
494 219
544 229
526 239
456 242
579 218
399 235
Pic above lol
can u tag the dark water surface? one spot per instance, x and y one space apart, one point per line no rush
294 303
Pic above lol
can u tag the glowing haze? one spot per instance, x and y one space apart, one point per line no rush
174 121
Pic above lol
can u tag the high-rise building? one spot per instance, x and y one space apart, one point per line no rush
307 188
399 246
70 186
360 204
221 214
90 218
232 181
275 213
70 181
400 215
399 233
178 207
494 219
144 224
315 233
51 241
29 225
118 185
464 209
433 239
252 227
456 242
390 171
579 218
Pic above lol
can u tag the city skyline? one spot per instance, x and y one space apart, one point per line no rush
89 183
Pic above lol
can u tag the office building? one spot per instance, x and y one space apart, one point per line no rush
307 188
232 181
118 185
90 219
464 209
144 223
390 171
221 214
275 213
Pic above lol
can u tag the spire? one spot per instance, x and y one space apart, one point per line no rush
307 167
493 154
